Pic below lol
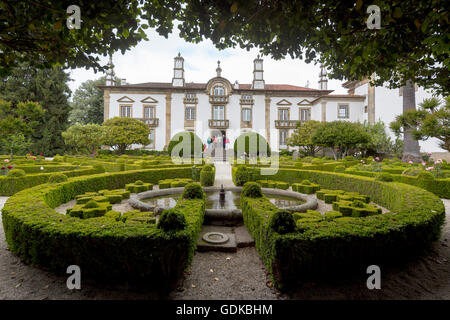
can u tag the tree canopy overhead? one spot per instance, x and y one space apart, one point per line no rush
412 43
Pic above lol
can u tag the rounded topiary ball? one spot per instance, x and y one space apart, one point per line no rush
339 168
282 222
139 183
16 173
57 178
252 190
193 191
99 168
91 204
172 220
242 175
306 182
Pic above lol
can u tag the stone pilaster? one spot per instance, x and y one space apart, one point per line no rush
324 111
168 117
371 104
268 120
105 105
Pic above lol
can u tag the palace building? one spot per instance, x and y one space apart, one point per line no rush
219 108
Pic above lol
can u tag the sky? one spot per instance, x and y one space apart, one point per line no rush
152 61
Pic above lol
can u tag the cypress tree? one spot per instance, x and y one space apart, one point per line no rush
49 88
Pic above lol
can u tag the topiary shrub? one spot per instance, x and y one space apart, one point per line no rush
242 175
259 145
185 141
57 178
16 173
350 158
306 182
384 176
171 221
282 222
252 190
193 191
411 172
139 183
339 168
207 176
425 176
196 173
91 204
298 164
99 168
58 158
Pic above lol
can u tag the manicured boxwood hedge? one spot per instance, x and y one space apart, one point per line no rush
104 248
11 185
332 248
440 187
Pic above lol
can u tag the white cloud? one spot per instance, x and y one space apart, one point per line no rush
153 61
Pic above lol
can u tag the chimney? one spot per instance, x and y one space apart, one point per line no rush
110 75
323 81
178 72
236 85
258 79
218 69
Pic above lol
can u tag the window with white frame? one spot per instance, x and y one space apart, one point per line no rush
283 114
218 113
149 112
246 114
190 95
218 90
246 97
305 114
125 111
283 137
343 111
190 113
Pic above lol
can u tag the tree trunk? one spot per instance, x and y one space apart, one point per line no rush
411 149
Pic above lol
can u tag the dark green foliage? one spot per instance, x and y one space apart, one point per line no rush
49 88
171 220
207 175
282 222
185 141
196 173
99 168
252 143
339 168
252 190
91 204
105 249
16 173
57 178
193 191
384 176
241 175
348 244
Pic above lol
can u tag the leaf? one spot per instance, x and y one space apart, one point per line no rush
397 13
234 7
359 4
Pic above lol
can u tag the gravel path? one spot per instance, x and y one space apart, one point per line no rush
243 276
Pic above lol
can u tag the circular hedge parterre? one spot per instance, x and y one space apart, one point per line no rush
103 247
321 248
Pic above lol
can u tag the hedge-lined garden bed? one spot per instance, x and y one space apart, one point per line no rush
317 249
104 248
11 185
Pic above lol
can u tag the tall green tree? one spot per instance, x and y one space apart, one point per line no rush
379 141
302 137
340 136
87 102
121 133
17 124
431 120
49 88
85 138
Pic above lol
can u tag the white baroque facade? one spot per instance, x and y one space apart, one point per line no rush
221 108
